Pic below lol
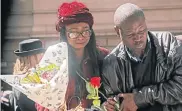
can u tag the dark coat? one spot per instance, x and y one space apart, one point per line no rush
18 102
23 103
162 89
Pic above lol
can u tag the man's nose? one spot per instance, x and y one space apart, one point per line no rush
137 37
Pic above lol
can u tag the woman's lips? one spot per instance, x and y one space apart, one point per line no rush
80 42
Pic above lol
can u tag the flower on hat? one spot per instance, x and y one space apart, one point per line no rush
67 9
73 12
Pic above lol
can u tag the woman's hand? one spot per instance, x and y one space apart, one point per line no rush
40 108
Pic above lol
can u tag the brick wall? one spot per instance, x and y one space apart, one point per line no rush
36 19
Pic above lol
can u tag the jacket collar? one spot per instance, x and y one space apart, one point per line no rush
159 51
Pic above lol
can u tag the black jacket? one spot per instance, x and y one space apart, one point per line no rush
19 102
163 91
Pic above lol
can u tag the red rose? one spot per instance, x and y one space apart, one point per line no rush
95 82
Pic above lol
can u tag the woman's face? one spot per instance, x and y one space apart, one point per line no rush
78 35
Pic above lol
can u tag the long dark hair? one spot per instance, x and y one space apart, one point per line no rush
91 48
73 66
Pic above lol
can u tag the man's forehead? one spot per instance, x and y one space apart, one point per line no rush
134 25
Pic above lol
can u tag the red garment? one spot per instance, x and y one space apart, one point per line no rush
87 70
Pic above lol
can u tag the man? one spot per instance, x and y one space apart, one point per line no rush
145 70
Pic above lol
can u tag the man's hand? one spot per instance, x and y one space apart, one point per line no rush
110 104
128 102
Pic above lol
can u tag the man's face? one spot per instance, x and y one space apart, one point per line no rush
134 34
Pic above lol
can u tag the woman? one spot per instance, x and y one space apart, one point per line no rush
75 26
29 54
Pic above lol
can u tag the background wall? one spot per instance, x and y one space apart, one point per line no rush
36 19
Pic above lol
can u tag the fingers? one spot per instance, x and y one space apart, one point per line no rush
7 93
39 107
111 101
5 96
109 107
45 109
110 104
25 69
4 99
128 103
121 95
36 105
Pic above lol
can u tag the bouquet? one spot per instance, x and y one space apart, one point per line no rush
47 83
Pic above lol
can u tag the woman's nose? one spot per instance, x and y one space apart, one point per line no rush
80 37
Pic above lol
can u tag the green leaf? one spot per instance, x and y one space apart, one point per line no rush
25 80
95 97
90 96
96 103
90 89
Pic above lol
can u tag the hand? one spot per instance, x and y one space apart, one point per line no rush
110 104
128 103
5 96
40 108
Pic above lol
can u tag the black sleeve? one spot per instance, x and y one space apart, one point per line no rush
168 92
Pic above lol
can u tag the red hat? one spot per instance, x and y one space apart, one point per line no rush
73 12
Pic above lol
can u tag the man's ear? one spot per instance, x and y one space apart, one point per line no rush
116 28
118 31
